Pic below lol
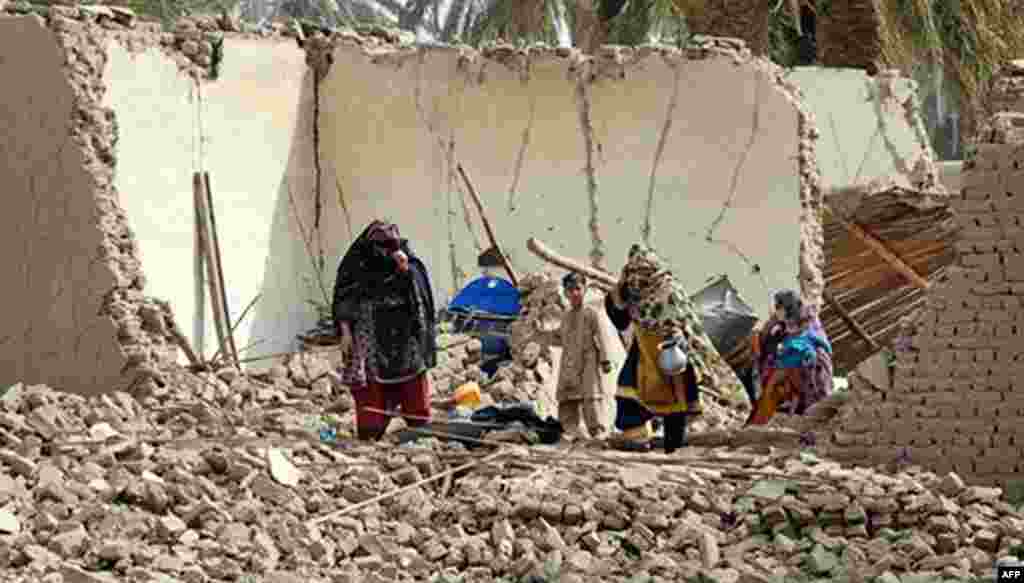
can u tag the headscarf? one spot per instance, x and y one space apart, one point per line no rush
659 304
792 305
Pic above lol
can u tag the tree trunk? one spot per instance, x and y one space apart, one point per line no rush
743 19
852 36
589 32
527 19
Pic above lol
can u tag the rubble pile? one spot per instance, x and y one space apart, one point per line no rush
108 489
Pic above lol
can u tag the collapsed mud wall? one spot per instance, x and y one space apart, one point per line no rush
707 152
955 403
101 133
75 316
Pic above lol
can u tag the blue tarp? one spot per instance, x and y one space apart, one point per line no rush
489 295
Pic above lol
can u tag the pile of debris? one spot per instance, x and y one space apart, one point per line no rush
108 489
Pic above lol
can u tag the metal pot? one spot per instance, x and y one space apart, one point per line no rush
672 358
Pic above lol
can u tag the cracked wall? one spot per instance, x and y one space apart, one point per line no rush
870 129
710 154
709 151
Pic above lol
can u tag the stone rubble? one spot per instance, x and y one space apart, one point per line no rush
216 477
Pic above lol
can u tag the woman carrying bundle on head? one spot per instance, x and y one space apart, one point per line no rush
792 360
670 355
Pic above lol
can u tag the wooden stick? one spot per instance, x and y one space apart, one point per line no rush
182 342
294 352
848 319
437 420
881 249
211 268
603 280
487 226
199 264
220 268
402 490
237 322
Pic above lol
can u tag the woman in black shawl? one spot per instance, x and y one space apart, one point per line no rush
384 305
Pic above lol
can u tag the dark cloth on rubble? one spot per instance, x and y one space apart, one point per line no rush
494 418
391 313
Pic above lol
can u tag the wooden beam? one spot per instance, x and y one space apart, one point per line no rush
199 265
215 240
881 249
487 226
199 190
849 321
600 279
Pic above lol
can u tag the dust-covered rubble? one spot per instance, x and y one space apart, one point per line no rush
209 482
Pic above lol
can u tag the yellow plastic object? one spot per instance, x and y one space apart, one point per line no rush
468 395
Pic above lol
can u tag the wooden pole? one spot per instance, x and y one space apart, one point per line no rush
600 278
199 265
239 321
182 342
849 321
220 270
881 249
393 493
487 226
211 268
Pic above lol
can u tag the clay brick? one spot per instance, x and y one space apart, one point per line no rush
963 466
969 231
974 426
989 465
940 436
938 399
989 410
985 397
985 356
1005 453
982 440
993 289
956 315
1009 426
981 260
960 440
961 452
1004 203
1001 440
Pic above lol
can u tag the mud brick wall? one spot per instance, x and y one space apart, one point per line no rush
742 19
850 35
957 403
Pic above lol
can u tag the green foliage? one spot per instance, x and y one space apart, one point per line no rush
782 37
971 39
217 57
503 20
639 20
167 11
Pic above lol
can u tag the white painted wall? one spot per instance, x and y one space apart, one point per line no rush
240 130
